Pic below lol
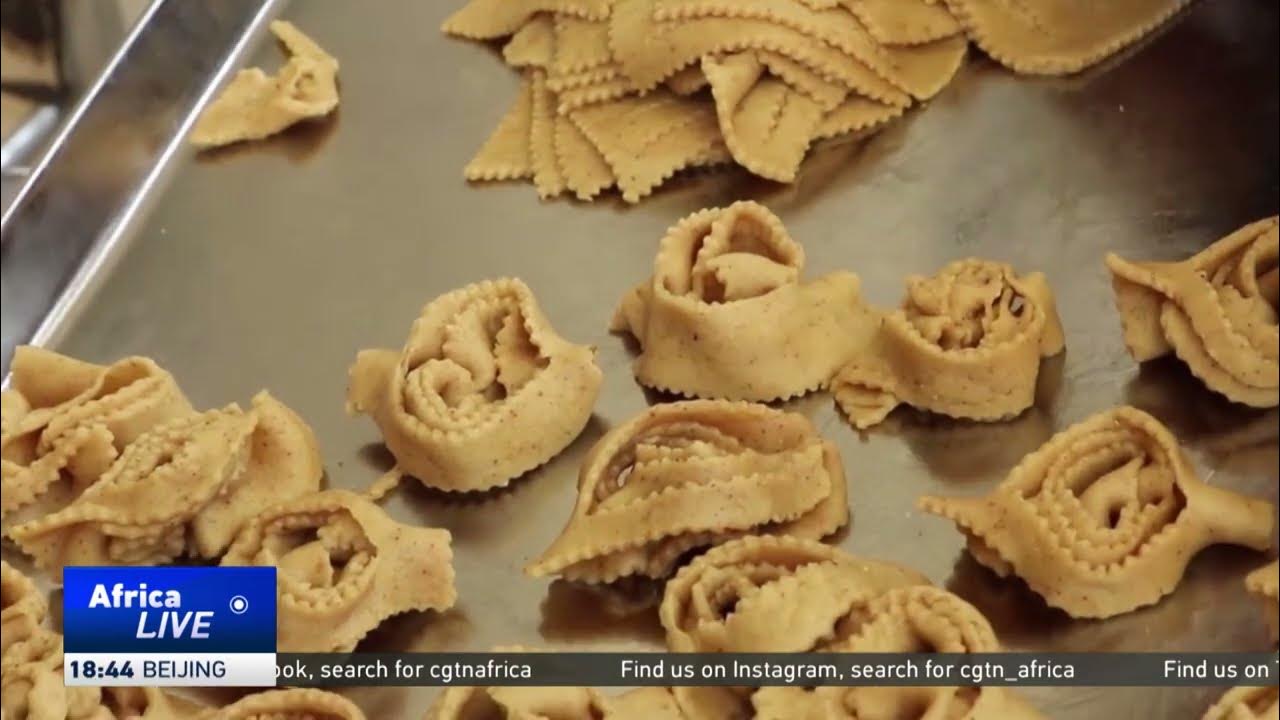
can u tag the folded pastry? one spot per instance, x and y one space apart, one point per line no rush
781 594
292 704
23 608
613 90
684 476
183 488
727 316
1217 311
256 105
966 343
65 421
1058 37
345 566
1104 518
1246 703
31 685
1264 583
483 391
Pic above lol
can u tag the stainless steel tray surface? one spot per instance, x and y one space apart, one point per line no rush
271 265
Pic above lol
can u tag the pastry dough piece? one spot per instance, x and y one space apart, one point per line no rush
505 155
782 594
966 343
492 19
647 703
646 139
1246 703
31 685
905 22
292 704
912 619
1216 310
770 594
726 314
530 703
256 105
136 703
65 422
483 391
533 45
1264 583
1104 518
23 608
687 475
766 123
807 36
197 479
344 565
1058 37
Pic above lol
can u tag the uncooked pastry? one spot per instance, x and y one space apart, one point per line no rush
484 390
344 565
66 421
256 105
1216 311
1104 518
229 464
1246 703
22 607
688 475
726 314
292 704
966 343
1058 37
783 594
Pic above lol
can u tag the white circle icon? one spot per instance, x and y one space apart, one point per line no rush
239 604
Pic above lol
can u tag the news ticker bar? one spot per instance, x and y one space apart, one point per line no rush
671 669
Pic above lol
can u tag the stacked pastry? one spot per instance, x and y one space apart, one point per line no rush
625 93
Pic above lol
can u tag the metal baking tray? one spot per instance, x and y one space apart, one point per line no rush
270 265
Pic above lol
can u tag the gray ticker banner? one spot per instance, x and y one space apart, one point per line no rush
773 669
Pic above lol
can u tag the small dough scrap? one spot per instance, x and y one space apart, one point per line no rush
766 123
256 105
726 314
1217 311
1104 518
506 154
1058 37
292 704
966 343
1264 583
483 391
533 45
226 464
344 565
492 19
647 139
688 475
66 421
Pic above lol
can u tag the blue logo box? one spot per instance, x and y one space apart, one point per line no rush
169 609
